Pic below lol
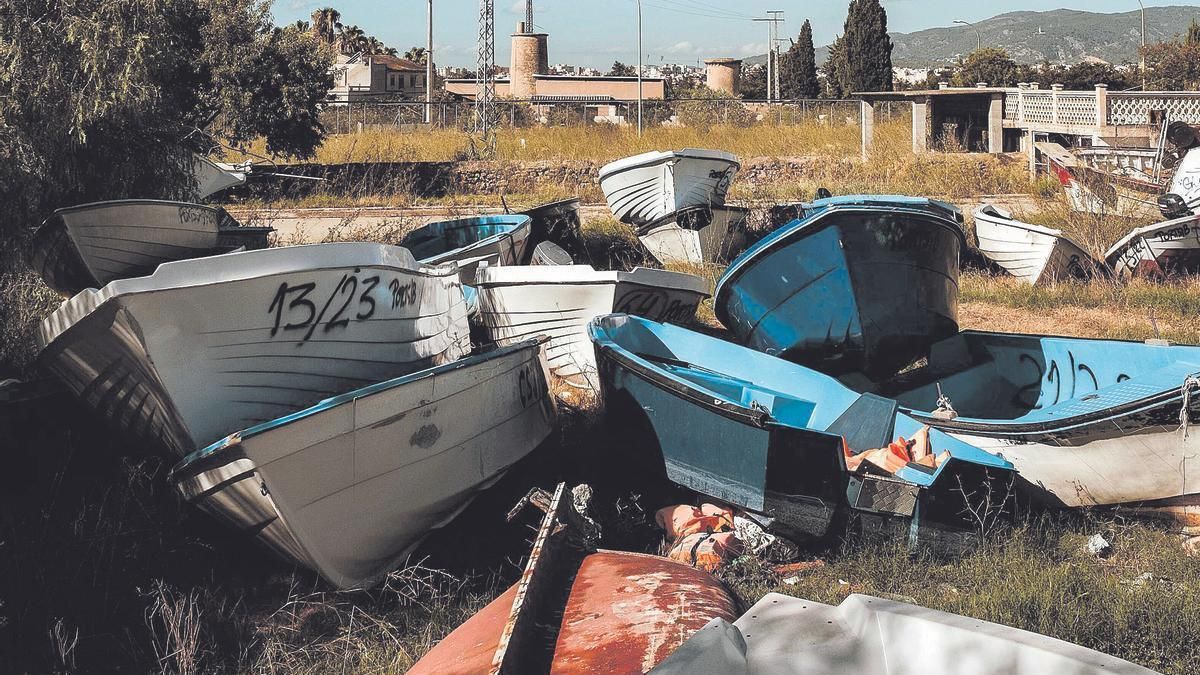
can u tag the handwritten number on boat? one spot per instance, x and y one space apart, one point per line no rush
369 285
301 300
293 309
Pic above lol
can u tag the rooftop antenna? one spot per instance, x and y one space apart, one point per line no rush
483 143
529 15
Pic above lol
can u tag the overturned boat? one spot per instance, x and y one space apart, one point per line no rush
558 301
351 485
1086 422
777 439
556 223
496 240
784 635
1159 250
714 235
90 245
578 611
859 283
655 186
1031 253
205 347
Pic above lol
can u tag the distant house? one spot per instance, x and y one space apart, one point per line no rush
363 77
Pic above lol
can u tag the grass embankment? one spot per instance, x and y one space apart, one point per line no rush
828 156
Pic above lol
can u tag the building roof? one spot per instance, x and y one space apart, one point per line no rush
397 63
921 93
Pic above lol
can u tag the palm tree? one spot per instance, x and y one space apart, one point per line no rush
325 23
416 54
351 40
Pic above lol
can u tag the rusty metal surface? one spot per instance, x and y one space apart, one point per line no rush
629 611
470 648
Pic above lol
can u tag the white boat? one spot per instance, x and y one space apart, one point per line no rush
717 238
205 347
783 635
516 303
1183 194
654 186
351 485
550 253
1097 192
90 245
213 177
1031 253
1159 250
470 242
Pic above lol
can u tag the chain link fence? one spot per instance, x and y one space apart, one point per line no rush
358 115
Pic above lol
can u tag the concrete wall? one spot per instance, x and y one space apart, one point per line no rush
528 50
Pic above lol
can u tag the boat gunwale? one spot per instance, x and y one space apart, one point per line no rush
520 228
1114 252
188 466
806 225
131 202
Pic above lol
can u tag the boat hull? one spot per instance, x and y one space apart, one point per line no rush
91 245
349 487
205 347
559 301
718 241
557 223
855 286
768 436
657 186
1158 251
1032 254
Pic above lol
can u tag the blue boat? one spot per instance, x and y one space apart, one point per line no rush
498 240
1086 422
767 436
859 283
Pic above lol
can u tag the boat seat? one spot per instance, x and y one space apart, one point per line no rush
1088 403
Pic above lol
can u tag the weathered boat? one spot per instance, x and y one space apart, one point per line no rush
712 236
1159 250
496 240
557 223
784 635
771 437
558 301
1086 422
577 611
90 245
1183 193
351 485
202 348
1031 253
549 253
213 177
1110 191
859 283
657 186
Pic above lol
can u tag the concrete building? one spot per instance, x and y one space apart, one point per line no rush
723 75
529 79
364 77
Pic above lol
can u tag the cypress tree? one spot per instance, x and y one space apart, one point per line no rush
798 69
868 49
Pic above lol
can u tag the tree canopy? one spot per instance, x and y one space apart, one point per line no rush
106 99
867 53
798 67
621 70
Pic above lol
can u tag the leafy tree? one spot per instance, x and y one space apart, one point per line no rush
798 68
350 40
416 54
867 55
754 81
325 24
146 76
1086 75
1193 34
988 64
1173 65
621 70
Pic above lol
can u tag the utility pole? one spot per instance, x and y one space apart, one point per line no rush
772 20
639 7
429 68
978 37
1143 53
485 82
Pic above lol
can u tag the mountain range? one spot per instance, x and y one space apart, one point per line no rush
1058 36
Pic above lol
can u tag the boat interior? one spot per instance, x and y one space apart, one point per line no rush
437 238
1031 379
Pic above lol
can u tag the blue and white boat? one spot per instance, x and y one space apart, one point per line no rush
349 486
1086 422
858 283
769 436
496 240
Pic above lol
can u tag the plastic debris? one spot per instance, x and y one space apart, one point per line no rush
1099 546
700 536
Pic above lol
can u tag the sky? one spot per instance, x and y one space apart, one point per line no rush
599 32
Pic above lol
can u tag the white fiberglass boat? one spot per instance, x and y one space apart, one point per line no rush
717 237
90 245
351 485
1159 250
205 347
1031 253
559 301
645 189
783 635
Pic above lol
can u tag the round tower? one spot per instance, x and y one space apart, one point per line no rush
530 58
723 75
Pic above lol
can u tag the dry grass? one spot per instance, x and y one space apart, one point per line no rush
24 301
